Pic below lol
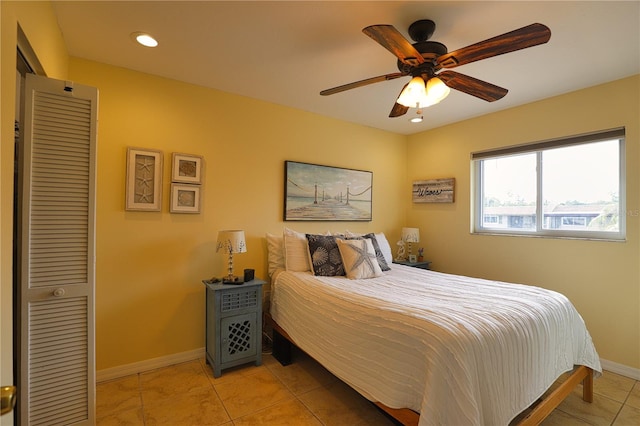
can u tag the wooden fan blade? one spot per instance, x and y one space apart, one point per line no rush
398 109
531 35
361 83
389 38
472 86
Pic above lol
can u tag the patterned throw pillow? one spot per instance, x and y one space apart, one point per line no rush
381 259
359 259
324 256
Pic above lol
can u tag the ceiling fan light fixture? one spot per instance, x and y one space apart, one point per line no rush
414 95
436 90
417 94
416 119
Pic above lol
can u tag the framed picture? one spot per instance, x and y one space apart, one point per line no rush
185 198
323 193
413 258
186 168
144 180
433 191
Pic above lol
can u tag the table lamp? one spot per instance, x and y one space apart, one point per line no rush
231 241
410 235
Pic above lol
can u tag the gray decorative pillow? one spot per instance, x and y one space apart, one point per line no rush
381 260
325 256
359 259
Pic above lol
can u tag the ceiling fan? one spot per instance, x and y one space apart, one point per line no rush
423 59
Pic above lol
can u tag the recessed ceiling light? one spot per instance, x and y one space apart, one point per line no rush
145 39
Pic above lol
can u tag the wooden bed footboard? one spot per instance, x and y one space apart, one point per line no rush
549 403
282 344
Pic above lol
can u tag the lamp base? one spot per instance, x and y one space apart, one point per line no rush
232 279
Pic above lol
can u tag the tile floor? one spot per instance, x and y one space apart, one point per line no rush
303 393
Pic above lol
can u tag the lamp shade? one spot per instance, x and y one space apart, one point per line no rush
411 235
231 241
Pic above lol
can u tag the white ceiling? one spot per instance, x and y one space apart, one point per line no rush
286 52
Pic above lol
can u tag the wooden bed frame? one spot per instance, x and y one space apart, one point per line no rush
282 352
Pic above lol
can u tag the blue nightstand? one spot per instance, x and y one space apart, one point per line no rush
420 265
234 324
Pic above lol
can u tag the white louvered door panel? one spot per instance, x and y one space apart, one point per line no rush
57 339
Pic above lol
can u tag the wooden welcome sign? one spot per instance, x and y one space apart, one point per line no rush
433 191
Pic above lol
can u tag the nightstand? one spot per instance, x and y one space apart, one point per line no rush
234 324
421 265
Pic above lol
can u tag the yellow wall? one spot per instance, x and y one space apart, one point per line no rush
602 279
149 295
41 28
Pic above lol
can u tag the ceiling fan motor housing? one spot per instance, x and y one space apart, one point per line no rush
429 50
422 30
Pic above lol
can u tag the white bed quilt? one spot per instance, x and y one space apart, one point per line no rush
459 350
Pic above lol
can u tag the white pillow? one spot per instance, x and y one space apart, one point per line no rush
385 248
359 259
275 253
296 251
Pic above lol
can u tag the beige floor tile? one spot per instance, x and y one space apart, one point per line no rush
132 417
118 395
168 382
231 373
198 407
559 418
629 416
634 396
613 386
302 376
288 413
601 412
338 404
187 394
248 394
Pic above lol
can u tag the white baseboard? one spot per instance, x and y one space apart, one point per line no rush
623 370
147 365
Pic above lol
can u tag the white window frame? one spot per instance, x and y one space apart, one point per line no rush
539 147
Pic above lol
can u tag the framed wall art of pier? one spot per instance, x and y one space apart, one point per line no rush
314 192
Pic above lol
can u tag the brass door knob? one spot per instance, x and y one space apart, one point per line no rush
9 395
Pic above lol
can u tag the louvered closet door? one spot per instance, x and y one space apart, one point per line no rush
57 355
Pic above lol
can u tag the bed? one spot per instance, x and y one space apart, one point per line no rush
427 347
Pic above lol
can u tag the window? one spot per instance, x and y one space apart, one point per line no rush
572 187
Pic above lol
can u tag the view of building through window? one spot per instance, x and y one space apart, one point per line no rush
577 186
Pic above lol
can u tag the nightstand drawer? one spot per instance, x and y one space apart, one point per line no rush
241 299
